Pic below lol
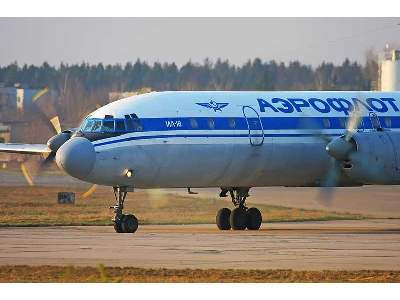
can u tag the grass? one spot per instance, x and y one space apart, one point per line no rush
131 274
37 206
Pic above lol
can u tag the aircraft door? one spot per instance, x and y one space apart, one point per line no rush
256 131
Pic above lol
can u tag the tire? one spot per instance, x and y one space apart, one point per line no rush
238 219
222 219
118 225
129 224
254 218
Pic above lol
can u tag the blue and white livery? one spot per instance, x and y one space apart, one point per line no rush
234 140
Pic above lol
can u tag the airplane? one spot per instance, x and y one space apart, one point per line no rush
234 141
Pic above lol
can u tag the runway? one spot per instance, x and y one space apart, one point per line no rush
333 245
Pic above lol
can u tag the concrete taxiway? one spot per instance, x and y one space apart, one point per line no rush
335 245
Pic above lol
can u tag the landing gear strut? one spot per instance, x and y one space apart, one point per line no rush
123 223
240 217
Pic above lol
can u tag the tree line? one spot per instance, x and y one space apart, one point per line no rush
220 75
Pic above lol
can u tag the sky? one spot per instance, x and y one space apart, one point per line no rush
119 40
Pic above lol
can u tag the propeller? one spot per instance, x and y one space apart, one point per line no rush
340 150
31 167
48 111
89 192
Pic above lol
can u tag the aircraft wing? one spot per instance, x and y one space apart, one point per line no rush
24 148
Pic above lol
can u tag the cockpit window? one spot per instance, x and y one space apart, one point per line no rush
110 125
96 126
87 125
133 123
119 125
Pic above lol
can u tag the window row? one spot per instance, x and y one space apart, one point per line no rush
387 122
211 123
133 123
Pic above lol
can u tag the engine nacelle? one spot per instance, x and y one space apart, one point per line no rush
376 158
55 142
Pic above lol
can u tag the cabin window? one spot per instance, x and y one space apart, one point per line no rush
211 123
193 123
327 123
388 122
232 123
343 122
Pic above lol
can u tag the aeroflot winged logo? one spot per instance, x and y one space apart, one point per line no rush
214 105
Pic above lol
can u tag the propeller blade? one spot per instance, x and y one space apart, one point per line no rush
55 121
47 108
89 192
328 183
352 125
32 167
314 129
46 163
26 174
355 118
318 134
40 94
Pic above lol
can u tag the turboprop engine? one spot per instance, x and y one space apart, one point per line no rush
368 157
361 157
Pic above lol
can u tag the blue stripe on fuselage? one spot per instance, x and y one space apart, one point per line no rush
223 123
268 123
133 138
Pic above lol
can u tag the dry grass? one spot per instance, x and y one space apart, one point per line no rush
34 206
129 274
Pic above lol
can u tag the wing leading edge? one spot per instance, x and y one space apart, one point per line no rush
24 148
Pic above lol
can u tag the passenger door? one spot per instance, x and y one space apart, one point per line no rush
256 131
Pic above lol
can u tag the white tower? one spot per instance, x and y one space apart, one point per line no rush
390 71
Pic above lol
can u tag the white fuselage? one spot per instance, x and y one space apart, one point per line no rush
218 139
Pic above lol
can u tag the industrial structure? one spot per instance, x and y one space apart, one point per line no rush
16 98
5 137
389 70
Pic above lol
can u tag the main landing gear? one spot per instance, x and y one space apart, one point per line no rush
240 217
123 223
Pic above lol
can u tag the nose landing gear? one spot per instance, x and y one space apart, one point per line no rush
123 223
240 217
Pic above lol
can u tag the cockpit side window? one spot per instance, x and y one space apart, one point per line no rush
119 125
108 126
133 123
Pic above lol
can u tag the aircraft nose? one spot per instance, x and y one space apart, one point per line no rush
76 157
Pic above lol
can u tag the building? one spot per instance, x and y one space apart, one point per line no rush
389 71
5 137
5 133
16 98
